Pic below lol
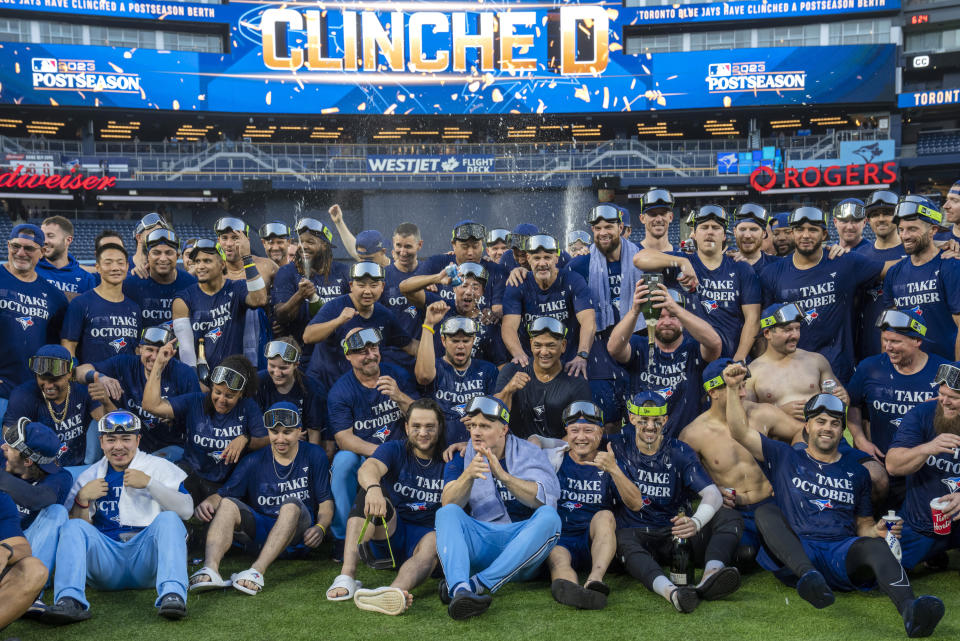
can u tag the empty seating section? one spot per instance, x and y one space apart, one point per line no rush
938 142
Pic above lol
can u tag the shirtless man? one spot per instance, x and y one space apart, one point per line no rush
787 377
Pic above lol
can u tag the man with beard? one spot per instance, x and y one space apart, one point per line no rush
887 247
406 245
58 266
924 282
781 234
749 231
656 214
276 240
823 288
924 450
825 498
849 217
728 290
164 281
214 307
683 344
456 378
297 296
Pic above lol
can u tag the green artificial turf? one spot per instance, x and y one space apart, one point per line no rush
292 607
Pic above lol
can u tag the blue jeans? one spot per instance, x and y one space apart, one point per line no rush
94 452
44 533
157 555
343 486
172 453
496 552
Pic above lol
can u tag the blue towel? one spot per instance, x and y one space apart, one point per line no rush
599 283
525 461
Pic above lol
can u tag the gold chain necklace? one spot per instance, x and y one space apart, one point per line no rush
63 414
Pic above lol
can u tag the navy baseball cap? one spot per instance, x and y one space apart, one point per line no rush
657 407
780 220
526 229
908 322
713 373
54 351
780 314
283 414
369 242
36 441
28 232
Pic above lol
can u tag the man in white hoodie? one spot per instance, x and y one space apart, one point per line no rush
126 529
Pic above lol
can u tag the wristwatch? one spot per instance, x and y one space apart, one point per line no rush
583 355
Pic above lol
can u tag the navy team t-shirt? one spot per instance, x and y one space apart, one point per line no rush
454 389
674 375
100 327
584 491
412 484
931 290
218 319
373 416
27 400
156 299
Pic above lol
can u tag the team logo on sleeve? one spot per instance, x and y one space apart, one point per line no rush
570 505
214 334
417 507
822 504
382 434
118 344
709 304
811 315
25 321
952 483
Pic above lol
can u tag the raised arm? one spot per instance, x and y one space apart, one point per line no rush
733 375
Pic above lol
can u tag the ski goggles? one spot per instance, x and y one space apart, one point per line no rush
156 336
459 325
274 230
289 353
849 209
546 325
474 270
495 236
489 407
280 417
315 227
469 231
148 221
787 314
717 381
366 552
897 321
656 199
119 422
948 374
711 212
582 412
367 270
912 210
541 242
825 404
605 213
229 223
162 236
880 200
750 212
206 246
15 436
578 237
233 379
810 215
50 366
358 341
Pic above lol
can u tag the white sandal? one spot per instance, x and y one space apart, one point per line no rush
216 581
385 600
250 575
348 583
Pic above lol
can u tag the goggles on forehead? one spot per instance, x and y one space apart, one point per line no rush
119 422
498 236
546 325
50 366
148 221
789 313
314 226
605 213
751 211
274 230
367 270
474 270
470 231
489 407
289 353
578 236
656 199
358 341
280 417
206 246
850 209
810 215
156 336
897 321
15 436
912 210
162 236
459 325
233 379
825 403
229 223
582 411
881 199
948 374
708 212
541 242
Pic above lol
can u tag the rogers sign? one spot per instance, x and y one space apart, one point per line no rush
764 178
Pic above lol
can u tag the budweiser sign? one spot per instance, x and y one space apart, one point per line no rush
72 180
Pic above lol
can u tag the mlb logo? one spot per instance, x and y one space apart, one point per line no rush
214 334
44 65
720 69
118 344
823 504
916 310
25 321
709 305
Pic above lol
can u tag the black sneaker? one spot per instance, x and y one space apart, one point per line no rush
172 607
443 592
684 599
720 584
37 611
813 588
466 604
922 615
569 593
67 610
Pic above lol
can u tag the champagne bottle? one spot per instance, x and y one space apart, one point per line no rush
681 560
203 369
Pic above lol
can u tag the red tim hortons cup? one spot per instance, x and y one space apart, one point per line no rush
941 524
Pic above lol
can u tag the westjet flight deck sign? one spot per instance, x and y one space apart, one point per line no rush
433 57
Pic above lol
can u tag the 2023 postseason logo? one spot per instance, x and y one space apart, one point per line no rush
736 77
57 74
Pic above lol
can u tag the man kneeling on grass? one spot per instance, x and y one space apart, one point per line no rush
126 529
511 490
268 505
400 486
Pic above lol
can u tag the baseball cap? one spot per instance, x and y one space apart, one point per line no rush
778 221
712 373
849 209
635 404
526 229
27 232
38 442
468 230
903 321
283 414
54 351
369 242
780 314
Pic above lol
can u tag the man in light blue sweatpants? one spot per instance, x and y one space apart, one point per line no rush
511 490
127 528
